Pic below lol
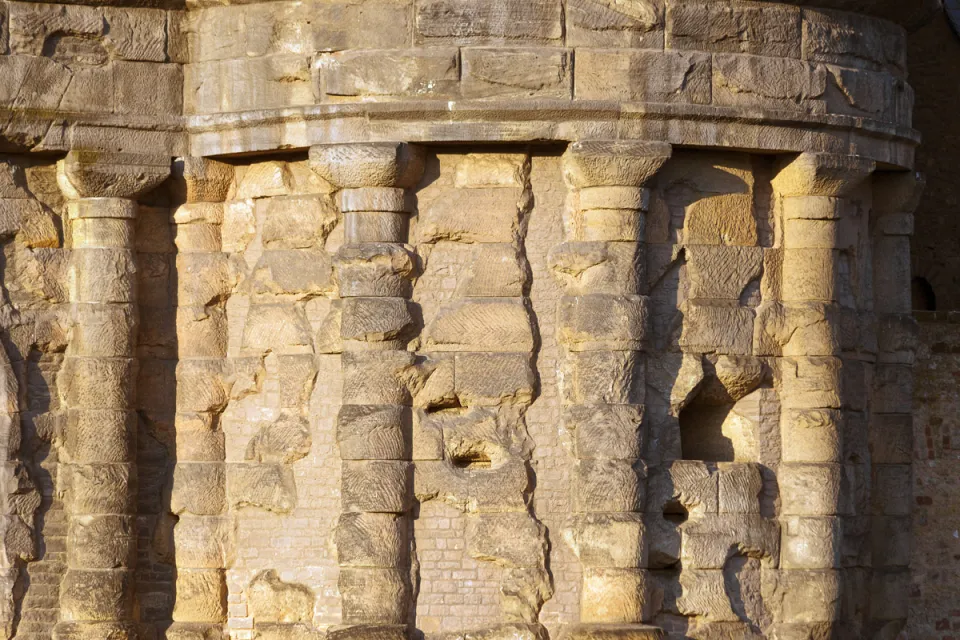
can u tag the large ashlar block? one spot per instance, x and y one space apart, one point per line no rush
202 331
374 432
782 83
814 274
202 385
197 237
374 595
599 267
498 270
603 322
502 210
494 379
467 22
199 489
853 40
507 539
888 599
102 233
380 377
807 329
739 488
599 24
96 595
608 540
704 596
721 219
375 319
201 179
101 542
613 163
281 328
613 595
893 389
480 170
371 540
368 632
605 486
102 276
891 438
722 273
271 599
203 278
205 542
284 440
812 435
102 330
687 483
605 431
100 436
200 446
732 27
481 324
813 382
375 270
811 543
375 226
269 486
810 596
112 175
377 486
98 488
603 377
499 489
385 199
516 73
643 76
426 73
892 274
122 630
377 164
298 222
897 338
709 542
723 329
201 596
813 489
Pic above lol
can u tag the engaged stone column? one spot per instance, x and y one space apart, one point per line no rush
203 534
891 422
97 473
374 426
823 394
602 324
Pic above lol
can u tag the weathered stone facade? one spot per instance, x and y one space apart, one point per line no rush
480 319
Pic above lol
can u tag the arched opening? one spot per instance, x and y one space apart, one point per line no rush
924 297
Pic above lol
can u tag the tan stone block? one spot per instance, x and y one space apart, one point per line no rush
480 324
272 600
605 163
599 267
432 73
602 540
612 199
812 435
892 274
375 226
262 485
740 486
725 219
377 486
239 225
123 630
499 489
376 319
205 542
266 82
201 331
282 328
203 278
642 76
718 272
371 540
374 595
891 438
494 379
721 329
101 542
285 440
102 233
853 40
682 483
381 377
480 170
813 489
507 539
810 596
614 595
898 336
96 594
200 446
813 274
516 73
499 270
198 212
374 269
605 431
822 174
603 486
102 275
499 211
608 225
368 632
199 489
603 377
373 199
197 238
704 595
811 383
103 330
201 596
776 83
148 88
709 542
597 23
201 385
812 543
156 278
297 273
732 27
100 436
603 323
613 632
204 179
98 383
467 22
31 25
376 164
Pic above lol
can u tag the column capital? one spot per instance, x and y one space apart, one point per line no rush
897 192
96 174
613 163
822 174
201 179
369 164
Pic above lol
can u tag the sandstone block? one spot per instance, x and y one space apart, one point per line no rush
812 435
688 484
604 486
721 329
597 23
201 596
603 377
775 83
96 594
375 319
204 179
643 76
199 489
265 486
722 273
374 432
499 489
599 267
725 219
284 441
822 174
431 73
739 488
812 543
375 269
101 542
373 199
516 73
201 385
709 542
201 446
507 539
480 324
205 542
102 276
382 377
811 383
897 338
704 595
613 632
239 225
467 22
613 595
296 273
810 596
853 40
99 383
887 594
101 330
272 600
605 431
100 436
368 632
478 170
376 486
731 27
375 226
379 164
100 233
891 541
372 595
201 331
371 540
603 540
893 389
891 438
498 270
813 489
197 237
282 328
603 323
498 212
203 278
494 379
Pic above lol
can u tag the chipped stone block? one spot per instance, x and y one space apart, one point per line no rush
608 540
295 273
603 377
497 220
375 269
516 73
270 599
205 542
507 539
98 488
430 73
97 594
733 27
812 489
376 486
479 170
602 23
480 324
465 22
709 542
722 273
298 222
613 595
809 596
811 543
204 278
739 488
264 486
371 540
101 542
378 377
775 83
812 435
499 270
494 379
853 40
201 596
603 323
599 267
281 328
811 383
202 385
498 489
99 436
285 441
705 595
374 432
716 328
603 486
687 483
375 226
375 319
605 431
721 219
199 489
642 76
373 595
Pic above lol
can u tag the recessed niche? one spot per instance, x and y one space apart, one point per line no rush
721 432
